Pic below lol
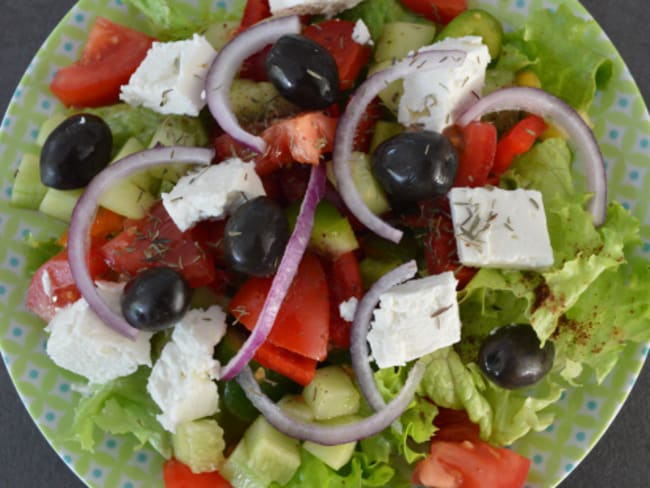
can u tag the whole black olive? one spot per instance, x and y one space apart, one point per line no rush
303 71
156 299
255 237
73 154
512 356
415 166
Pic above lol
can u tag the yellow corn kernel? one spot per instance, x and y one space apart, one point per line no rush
528 78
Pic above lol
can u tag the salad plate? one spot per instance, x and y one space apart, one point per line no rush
621 124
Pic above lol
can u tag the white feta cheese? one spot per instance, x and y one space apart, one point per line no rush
498 228
361 34
348 308
435 98
170 80
181 382
80 342
212 192
327 8
415 319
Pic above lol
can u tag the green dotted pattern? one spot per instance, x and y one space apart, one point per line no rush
622 126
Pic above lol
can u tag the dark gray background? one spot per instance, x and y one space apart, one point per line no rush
621 458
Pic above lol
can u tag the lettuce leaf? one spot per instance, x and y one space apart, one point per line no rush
376 13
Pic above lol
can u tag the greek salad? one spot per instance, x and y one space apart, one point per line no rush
330 243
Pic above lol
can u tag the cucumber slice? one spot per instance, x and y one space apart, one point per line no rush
199 444
127 199
390 95
383 131
219 33
237 471
372 269
295 406
28 191
476 22
334 456
253 101
331 394
60 203
48 126
399 38
132 146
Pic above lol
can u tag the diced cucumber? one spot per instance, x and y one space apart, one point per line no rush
372 269
331 394
390 95
271 454
332 234
476 22
127 199
132 146
399 38
28 190
383 131
60 203
199 444
334 456
52 122
296 407
381 249
253 101
237 471
219 33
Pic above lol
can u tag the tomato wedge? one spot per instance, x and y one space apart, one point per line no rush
476 154
179 475
111 55
516 141
294 366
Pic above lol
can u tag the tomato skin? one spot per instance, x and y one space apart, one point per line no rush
516 141
179 475
440 11
111 55
302 324
254 11
335 35
344 280
476 154
294 366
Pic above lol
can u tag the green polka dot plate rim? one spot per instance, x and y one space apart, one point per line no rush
622 126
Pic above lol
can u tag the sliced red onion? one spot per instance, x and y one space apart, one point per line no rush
542 103
84 213
284 276
330 435
429 60
226 65
361 325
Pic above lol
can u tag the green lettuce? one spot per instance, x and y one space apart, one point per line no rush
121 406
376 13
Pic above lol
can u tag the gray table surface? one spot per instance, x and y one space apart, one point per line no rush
620 459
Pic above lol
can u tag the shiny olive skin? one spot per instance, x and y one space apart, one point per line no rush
415 166
75 152
303 72
156 299
255 237
512 358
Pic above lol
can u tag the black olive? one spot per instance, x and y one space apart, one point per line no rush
415 166
255 237
512 356
303 71
156 299
73 154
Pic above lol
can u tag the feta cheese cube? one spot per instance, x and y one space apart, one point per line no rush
327 8
361 34
348 308
498 228
80 342
170 80
415 319
181 382
212 192
435 98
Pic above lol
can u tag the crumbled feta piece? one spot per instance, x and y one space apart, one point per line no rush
415 319
170 80
348 308
434 98
80 342
327 8
181 382
361 34
212 192
498 228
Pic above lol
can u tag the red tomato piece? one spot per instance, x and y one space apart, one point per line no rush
106 224
476 154
302 324
254 66
254 11
335 35
516 141
111 55
156 241
294 366
455 426
366 126
471 464
344 279
179 475
440 11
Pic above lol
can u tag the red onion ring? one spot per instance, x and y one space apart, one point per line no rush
225 66
348 122
361 325
326 434
548 106
284 276
84 212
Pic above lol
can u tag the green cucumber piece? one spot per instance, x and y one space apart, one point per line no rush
390 95
383 131
476 22
331 394
132 146
219 33
60 203
51 123
399 38
381 249
253 101
334 456
28 191
372 269
296 407
237 471
199 444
